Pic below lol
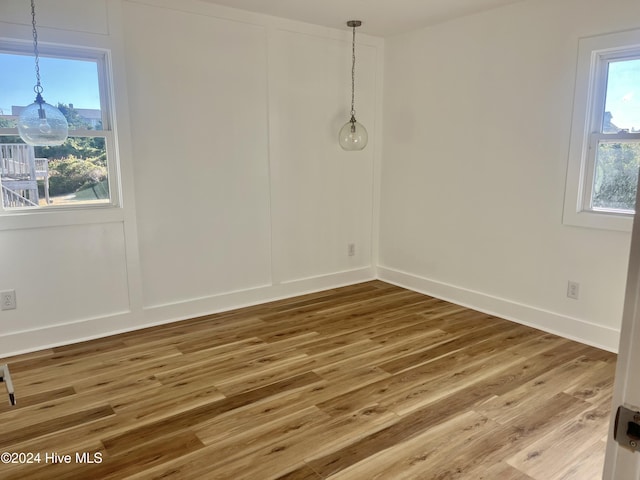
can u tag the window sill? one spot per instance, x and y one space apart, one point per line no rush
50 217
601 220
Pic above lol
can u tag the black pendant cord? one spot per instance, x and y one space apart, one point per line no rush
38 87
353 74
353 24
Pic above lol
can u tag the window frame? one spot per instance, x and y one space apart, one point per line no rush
594 56
11 218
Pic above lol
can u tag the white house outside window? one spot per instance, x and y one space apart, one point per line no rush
81 172
605 144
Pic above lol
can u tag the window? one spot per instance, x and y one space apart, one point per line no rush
604 154
82 171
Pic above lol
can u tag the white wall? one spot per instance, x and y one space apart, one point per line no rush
235 190
478 115
198 103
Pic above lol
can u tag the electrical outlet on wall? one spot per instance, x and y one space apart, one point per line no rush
351 249
573 290
7 300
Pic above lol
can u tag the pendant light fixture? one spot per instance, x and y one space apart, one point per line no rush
41 124
353 136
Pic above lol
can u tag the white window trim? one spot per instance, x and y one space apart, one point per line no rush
17 218
587 117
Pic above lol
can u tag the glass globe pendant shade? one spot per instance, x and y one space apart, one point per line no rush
41 124
353 136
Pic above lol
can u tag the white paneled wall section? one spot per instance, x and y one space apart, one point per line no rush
478 115
235 190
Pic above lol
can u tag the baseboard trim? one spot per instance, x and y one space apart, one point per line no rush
26 341
568 327
15 343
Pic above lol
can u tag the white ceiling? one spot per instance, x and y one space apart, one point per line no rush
379 17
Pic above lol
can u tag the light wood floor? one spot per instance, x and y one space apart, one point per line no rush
362 382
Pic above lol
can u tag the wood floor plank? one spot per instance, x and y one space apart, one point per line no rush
53 425
588 466
418 381
500 471
536 392
138 458
38 398
237 448
277 459
549 456
406 428
183 420
361 382
338 382
433 454
302 473
475 336
596 385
